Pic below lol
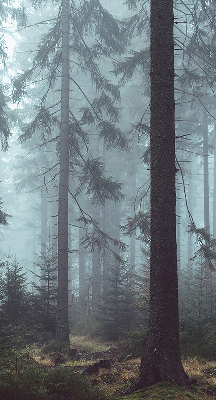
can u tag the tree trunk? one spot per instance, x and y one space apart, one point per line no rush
161 358
54 226
34 237
190 237
208 274
206 176
82 263
132 252
133 194
96 255
106 229
82 257
62 324
214 194
43 238
178 226
96 298
190 206
106 252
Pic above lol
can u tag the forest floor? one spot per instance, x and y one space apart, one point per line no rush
112 369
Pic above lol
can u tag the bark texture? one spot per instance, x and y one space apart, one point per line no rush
96 267
62 324
133 193
44 212
178 226
106 229
206 173
161 358
96 255
82 262
214 193
190 207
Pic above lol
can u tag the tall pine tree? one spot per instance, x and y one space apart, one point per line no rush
161 358
68 40
62 328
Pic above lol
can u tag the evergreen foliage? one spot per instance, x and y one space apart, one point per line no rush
206 245
47 292
25 316
3 216
119 312
38 384
100 113
139 221
98 186
17 14
4 124
97 114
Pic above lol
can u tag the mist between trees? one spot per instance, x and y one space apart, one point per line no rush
78 204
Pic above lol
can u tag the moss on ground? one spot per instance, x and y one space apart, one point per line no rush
163 391
31 373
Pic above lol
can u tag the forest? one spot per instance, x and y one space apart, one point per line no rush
107 199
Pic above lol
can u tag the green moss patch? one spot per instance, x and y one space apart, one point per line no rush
163 391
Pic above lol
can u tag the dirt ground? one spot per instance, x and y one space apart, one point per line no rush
107 366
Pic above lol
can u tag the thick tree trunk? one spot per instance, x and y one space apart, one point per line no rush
62 324
161 358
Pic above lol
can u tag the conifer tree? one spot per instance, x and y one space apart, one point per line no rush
18 15
51 55
13 293
119 313
47 289
62 326
161 357
3 215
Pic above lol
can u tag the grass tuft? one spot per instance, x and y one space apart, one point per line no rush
86 345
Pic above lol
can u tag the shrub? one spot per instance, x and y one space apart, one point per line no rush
135 343
195 345
38 384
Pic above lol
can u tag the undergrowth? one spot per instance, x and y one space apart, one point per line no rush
34 383
85 344
31 374
164 391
